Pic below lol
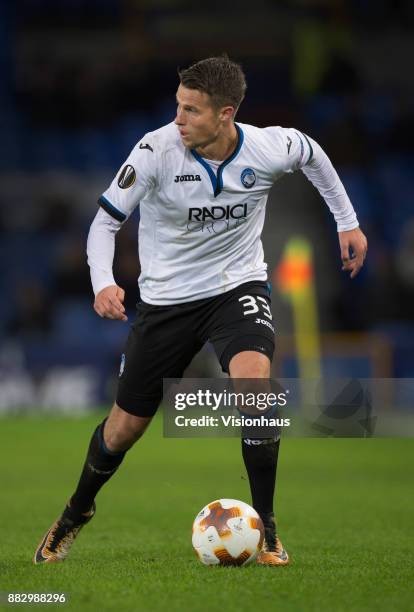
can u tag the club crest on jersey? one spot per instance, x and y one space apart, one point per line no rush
248 178
127 177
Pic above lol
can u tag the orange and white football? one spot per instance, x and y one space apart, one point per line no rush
227 532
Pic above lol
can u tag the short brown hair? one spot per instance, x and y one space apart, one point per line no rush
222 79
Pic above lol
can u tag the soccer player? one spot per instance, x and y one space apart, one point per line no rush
202 183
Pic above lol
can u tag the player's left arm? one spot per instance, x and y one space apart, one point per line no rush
305 153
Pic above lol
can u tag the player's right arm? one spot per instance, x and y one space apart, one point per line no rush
101 249
135 178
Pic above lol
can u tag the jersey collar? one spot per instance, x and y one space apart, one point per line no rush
217 181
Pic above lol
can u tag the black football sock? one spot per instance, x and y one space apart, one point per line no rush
260 458
100 465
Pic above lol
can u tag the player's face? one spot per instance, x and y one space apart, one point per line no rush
198 121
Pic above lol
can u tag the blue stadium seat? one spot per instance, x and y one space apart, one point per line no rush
359 189
75 323
395 180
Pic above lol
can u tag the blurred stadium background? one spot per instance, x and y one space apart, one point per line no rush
83 80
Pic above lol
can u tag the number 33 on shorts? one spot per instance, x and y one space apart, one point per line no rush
255 304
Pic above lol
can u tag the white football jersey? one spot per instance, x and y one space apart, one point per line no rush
200 223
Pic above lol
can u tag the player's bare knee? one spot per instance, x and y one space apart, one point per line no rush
249 364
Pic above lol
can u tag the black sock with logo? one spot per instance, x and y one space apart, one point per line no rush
100 465
260 458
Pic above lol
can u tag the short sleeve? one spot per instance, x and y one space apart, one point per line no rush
136 177
292 148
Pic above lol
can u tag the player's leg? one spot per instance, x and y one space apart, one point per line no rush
243 337
157 348
260 457
107 448
123 429
249 364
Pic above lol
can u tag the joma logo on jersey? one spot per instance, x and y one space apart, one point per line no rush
216 213
264 322
186 177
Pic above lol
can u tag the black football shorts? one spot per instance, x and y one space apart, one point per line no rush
164 339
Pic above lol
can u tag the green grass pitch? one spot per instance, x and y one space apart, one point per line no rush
344 507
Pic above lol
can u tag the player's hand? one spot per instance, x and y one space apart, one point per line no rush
109 303
354 247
